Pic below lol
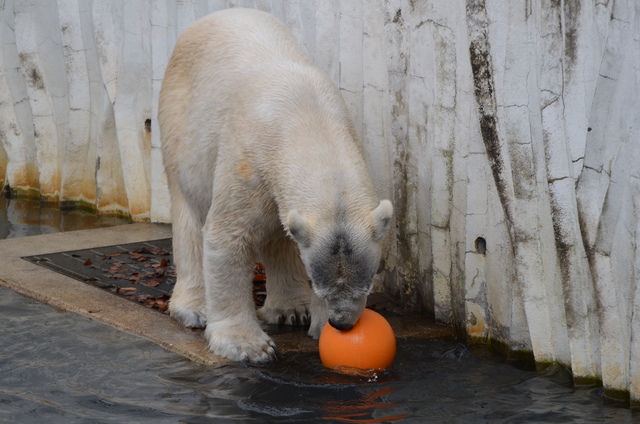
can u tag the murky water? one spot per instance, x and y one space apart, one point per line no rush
58 367
21 218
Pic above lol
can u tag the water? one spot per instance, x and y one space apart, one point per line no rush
23 217
58 367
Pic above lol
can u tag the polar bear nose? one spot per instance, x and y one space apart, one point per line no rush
342 326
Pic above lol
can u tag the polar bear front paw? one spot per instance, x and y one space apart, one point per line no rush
291 312
241 343
316 328
319 317
188 317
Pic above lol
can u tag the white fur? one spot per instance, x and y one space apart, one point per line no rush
256 141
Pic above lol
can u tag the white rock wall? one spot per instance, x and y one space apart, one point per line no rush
505 132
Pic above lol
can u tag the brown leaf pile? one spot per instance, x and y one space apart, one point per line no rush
125 266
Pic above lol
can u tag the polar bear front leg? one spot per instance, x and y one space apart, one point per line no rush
187 300
288 291
233 331
319 315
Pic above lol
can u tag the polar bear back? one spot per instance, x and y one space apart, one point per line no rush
214 56
238 79
211 63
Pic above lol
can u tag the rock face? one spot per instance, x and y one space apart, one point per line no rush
506 132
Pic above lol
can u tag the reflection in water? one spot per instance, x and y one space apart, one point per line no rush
25 217
362 409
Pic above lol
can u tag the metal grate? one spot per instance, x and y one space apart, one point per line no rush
142 272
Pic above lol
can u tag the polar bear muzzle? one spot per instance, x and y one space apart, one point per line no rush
344 313
341 258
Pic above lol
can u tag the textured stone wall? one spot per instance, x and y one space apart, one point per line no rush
507 134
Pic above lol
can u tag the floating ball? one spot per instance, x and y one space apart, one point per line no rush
369 346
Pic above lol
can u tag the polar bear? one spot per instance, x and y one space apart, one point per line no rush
263 164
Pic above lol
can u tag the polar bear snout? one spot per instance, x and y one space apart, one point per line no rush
340 325
344 313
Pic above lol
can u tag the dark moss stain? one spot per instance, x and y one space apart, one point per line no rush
571 24
6 191
563 253
527 9
68 205
50 201
524 185
480 58
458 282
16 130
397 19
407 273
584 228
617 396
492 144
586 382
34 78
523 357
21 193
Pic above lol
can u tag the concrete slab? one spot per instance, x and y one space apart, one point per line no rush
73 295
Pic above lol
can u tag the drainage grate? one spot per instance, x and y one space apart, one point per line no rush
142 272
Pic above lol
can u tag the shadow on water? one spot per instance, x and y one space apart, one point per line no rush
58 367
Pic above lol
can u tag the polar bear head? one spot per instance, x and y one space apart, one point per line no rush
341 256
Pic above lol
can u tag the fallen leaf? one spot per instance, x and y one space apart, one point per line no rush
153 283
164 262
123 290
88 262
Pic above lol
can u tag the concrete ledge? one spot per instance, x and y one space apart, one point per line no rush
72 295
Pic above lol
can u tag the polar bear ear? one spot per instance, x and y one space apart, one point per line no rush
381 218
298 228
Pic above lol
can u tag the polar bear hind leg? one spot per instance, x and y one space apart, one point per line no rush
187 304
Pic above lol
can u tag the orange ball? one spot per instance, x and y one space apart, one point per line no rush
369 346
